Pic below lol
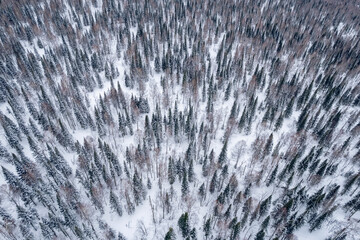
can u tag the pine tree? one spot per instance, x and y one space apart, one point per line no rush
349 182
128 81
207 228
319 220
289 108
115 204
107 71
59 162
193 234
122 125
227 212
268 145
205 167
157 64
264 206
303 165
171 171
235 231
121 236
332 192
138 188
184 185
179 170
242 120
260 235
191 173
302 120
222 156
322 168
233 112
25 231
170 235
99 123
27 217
148 132
46 231
183 224
315 200
272 176
202 191
12 132
265 223
11 179
279 122
353 205
213 183
149 185
228 92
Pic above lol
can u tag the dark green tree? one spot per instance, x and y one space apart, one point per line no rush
170 235
213 183
138 188
184 185
222 156
191 173
171 171
235 231
183 224
260 235
115 204
207 228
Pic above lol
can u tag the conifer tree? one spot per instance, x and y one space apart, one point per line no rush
228 92
170 235
171 171
242 120
350 181
268 145
191 173
184 185
202 191
260 235
157 64
183 224
207 228
115 204
149 185
235 231
138 188
222 156
272 176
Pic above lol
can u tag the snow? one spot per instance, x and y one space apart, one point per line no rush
142 221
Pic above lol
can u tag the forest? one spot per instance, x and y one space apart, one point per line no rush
170 119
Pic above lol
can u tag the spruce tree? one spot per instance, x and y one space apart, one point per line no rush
171 171
170 235
213 183
138 188
279 122
272 176
183 224
222 156
184 185
148 184
268 145
202 191
115 204
235 231
191 173
207 228
260 235
228 92
349 182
